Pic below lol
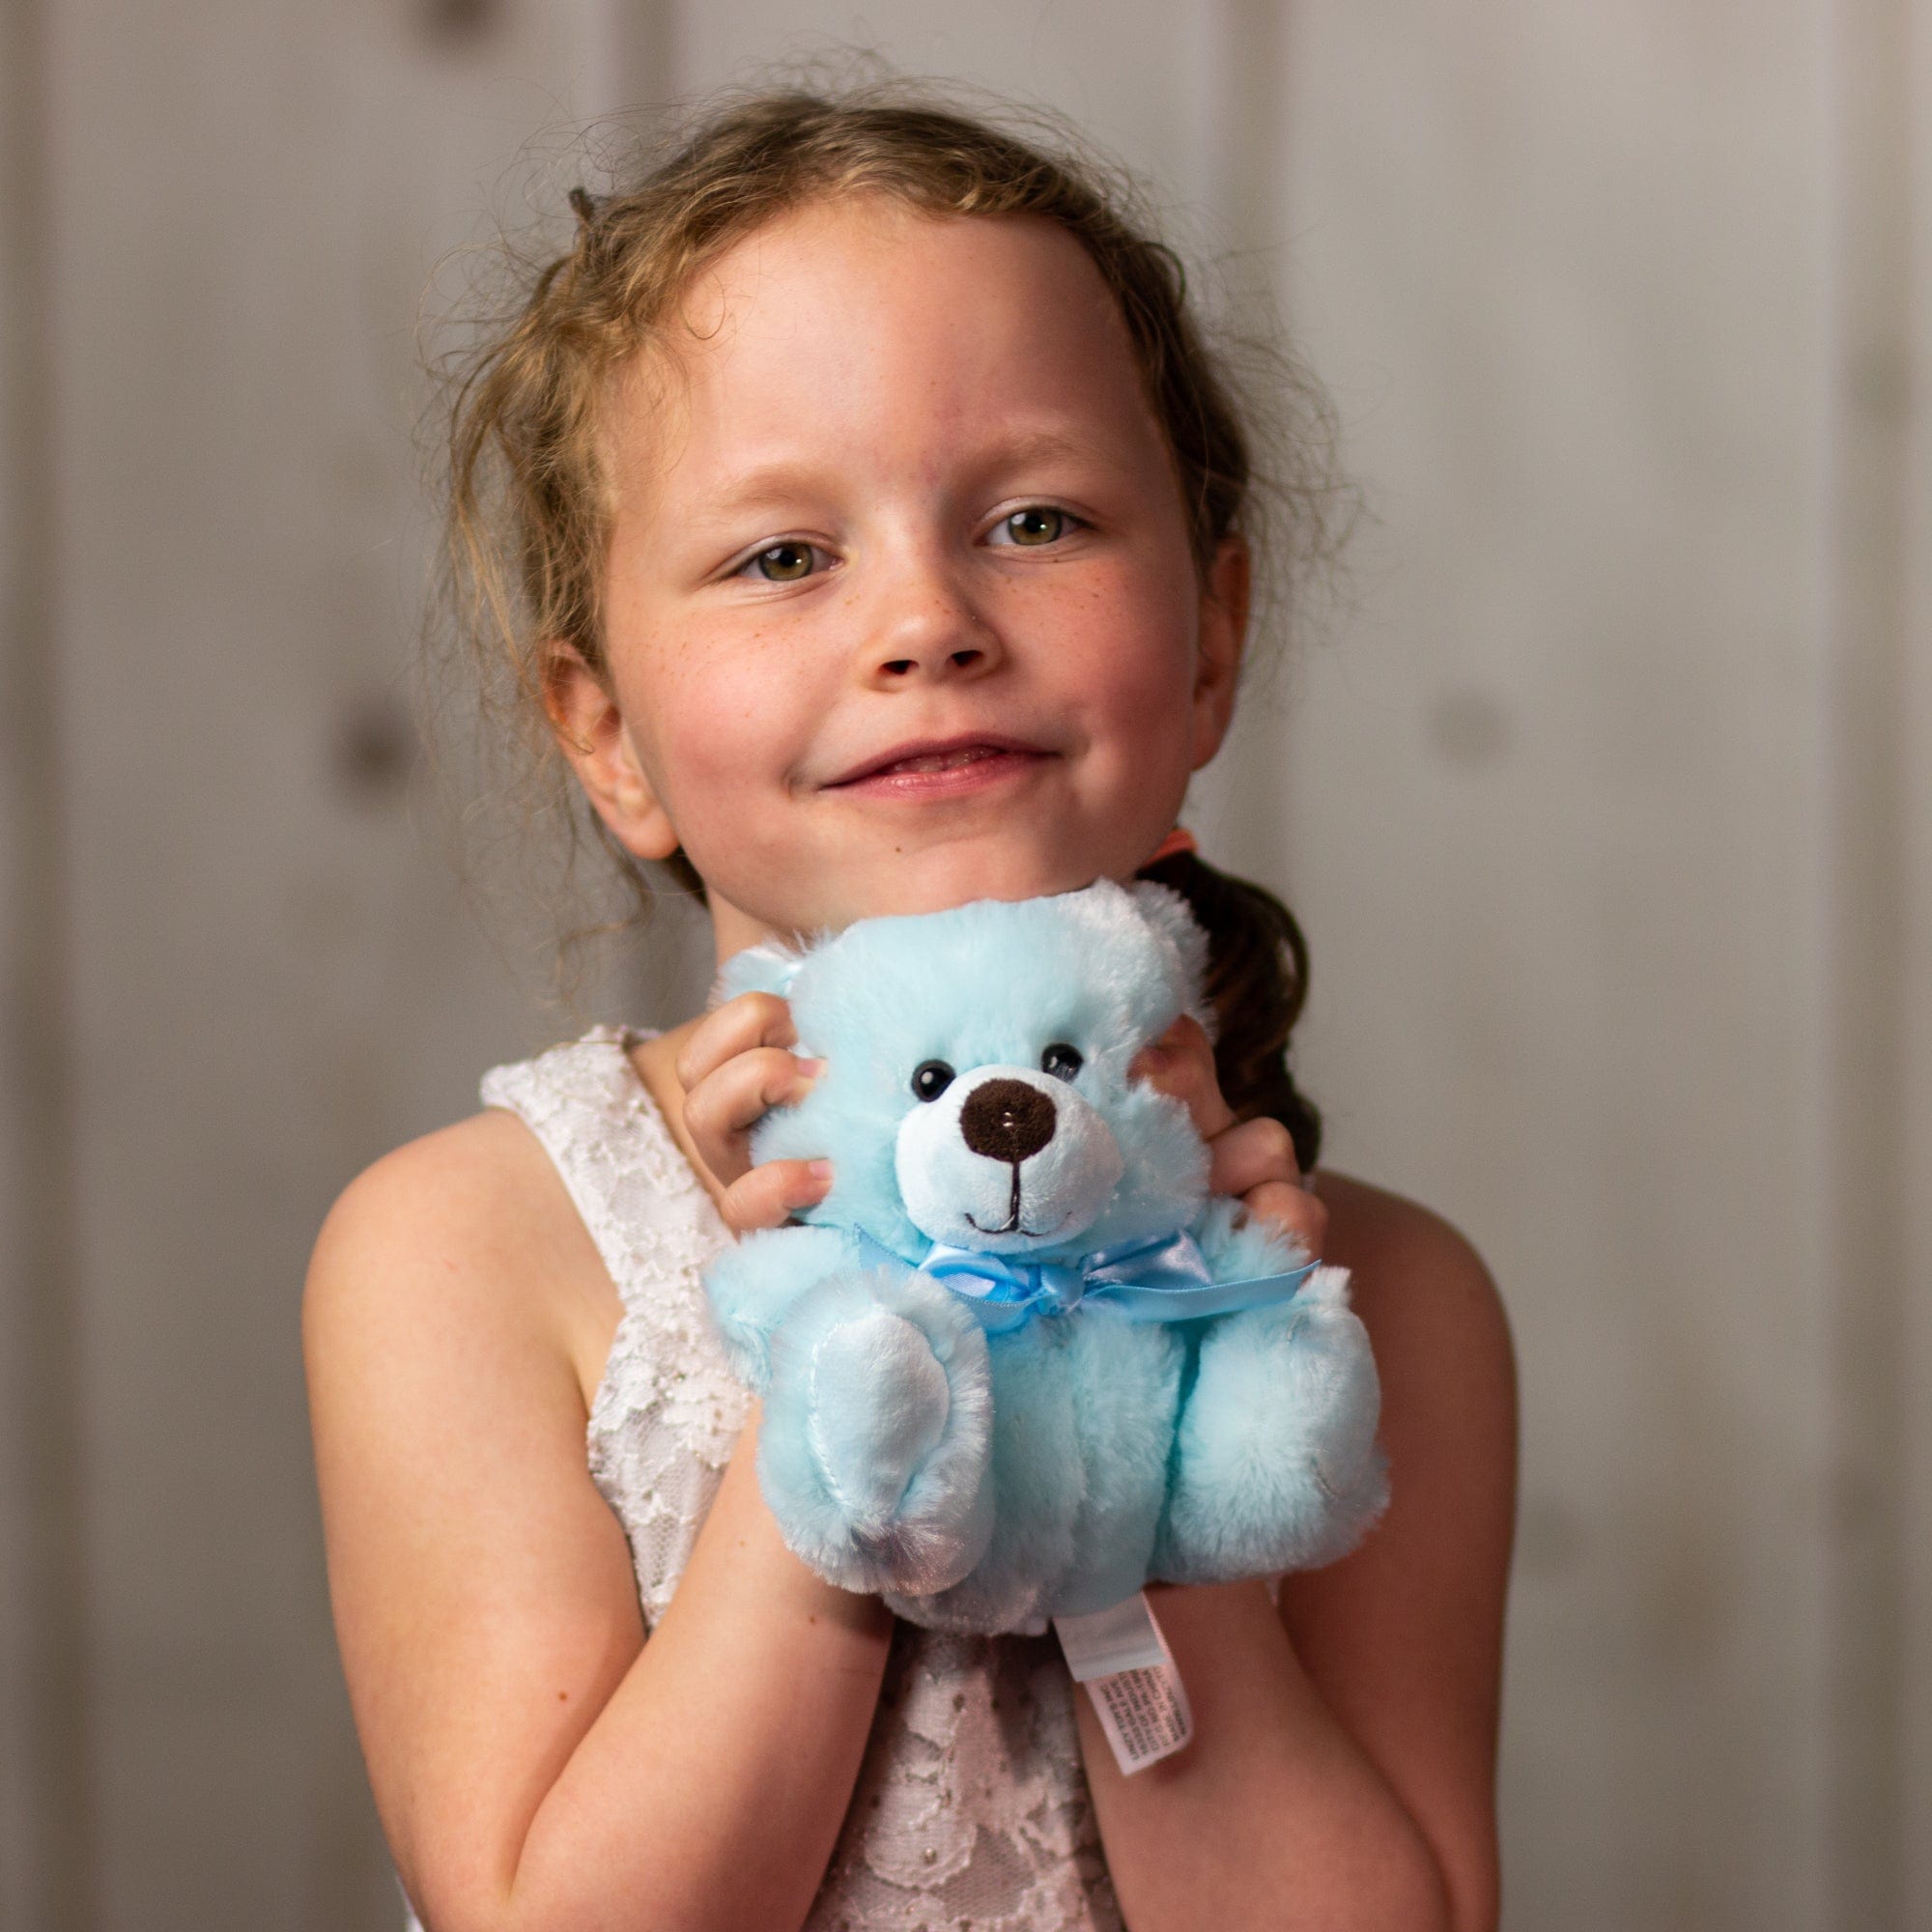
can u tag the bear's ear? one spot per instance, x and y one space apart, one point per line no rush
770 968
1173 920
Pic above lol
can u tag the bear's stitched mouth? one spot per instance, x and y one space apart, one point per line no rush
1013 1227
1011 1224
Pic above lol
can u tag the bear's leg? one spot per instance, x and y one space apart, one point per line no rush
873 1450
1037 1476
1275 1459
1084 1411
1126 1379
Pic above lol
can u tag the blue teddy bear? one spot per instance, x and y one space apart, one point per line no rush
1018 1362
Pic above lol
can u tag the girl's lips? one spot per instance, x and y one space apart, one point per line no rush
942 771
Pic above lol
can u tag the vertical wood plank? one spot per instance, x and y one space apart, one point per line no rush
1129 75
45 1797
1862 890
1913 1807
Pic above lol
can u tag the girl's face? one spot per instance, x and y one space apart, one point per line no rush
901 609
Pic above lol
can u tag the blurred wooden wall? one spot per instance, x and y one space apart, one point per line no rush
239 963
1605 801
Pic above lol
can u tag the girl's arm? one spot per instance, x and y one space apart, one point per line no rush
1343 1770
535 1763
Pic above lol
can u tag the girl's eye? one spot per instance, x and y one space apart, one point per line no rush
1038 524
782 562
930 1078
1062 1060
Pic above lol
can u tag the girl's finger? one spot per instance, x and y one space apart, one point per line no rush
770 1194
726 1104
1180 1064
751 1021
1295 1212
1245 1156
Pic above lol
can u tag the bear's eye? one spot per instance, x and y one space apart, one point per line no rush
930 1078
1062 1060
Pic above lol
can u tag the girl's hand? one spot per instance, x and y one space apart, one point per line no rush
736 1067
1253 1160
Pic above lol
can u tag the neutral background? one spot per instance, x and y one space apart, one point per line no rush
1604 802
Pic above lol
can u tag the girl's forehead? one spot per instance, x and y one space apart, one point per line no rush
863 323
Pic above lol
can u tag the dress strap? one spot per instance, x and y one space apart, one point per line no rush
647 1212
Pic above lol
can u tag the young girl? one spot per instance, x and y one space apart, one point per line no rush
876 519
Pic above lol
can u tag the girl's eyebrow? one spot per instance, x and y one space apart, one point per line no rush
1043 442
763 485
785 479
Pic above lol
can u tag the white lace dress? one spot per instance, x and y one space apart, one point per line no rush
971 1812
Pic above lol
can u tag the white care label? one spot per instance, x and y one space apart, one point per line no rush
1124 1662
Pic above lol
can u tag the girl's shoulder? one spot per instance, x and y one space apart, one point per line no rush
1416 1280
480 1234
462 1238
1447 1367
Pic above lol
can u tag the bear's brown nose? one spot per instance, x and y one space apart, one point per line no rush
1007 1119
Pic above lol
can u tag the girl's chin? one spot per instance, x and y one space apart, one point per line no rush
951 875
872 881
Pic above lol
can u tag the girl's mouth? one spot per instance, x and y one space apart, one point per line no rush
942 770
944 761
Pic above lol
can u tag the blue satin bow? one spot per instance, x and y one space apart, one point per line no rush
1162 1278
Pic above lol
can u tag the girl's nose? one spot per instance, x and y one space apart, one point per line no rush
925 627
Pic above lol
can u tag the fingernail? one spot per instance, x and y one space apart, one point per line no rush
809 1069
820 1171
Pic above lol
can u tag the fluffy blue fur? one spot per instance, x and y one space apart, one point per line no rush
989 1481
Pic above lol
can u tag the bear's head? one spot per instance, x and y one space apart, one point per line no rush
976 1091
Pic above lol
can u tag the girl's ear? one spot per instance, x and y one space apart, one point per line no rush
1223 635
591 734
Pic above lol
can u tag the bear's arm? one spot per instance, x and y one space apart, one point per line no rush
1238 1245
752 1285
